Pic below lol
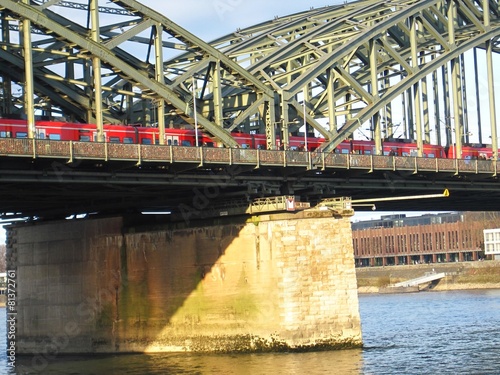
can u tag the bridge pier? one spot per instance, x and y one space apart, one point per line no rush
268 283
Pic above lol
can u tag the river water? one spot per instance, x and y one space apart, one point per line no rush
418 333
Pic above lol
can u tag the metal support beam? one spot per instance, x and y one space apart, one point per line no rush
376 130
491 83
270 117
96 71
492 102
425 103
416 87
28 89
158 42
455 80
463 101
478 99
332 117
437 105
217 94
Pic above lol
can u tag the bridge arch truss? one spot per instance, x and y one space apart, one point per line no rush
337 70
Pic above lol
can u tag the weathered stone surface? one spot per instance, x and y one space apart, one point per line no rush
277 282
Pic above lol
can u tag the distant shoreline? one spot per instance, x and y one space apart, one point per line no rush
447 288
460 276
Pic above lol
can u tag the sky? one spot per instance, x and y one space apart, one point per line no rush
214 18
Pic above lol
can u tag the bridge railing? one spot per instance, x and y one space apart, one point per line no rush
41 148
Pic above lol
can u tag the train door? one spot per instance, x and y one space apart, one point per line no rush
41 133
94 136
172 140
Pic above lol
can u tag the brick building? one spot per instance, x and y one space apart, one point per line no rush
431 238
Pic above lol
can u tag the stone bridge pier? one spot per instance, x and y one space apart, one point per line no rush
277 282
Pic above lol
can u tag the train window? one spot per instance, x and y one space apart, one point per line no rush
128 140
344 151
114 140
55 137
186 143
21 135
209 144
175 143
145 141
368 152
85 138
431 156
4 134
245 145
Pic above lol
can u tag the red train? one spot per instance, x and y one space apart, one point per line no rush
58 130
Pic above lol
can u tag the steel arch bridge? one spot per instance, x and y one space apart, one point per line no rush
392 65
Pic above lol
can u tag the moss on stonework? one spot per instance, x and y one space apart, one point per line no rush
255 344
133 302
105 316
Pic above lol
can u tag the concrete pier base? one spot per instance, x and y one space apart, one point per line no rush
268 283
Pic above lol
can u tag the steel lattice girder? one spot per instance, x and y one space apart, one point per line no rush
338 58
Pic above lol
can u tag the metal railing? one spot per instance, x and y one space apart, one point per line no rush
70 150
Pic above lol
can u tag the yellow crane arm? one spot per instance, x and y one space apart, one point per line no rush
446 193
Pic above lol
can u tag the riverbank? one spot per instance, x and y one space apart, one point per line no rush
459 276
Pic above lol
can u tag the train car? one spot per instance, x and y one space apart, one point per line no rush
472 151
57 130
13 128
433 151
345 147
254 141
260 141
356 146
403 148
52 130
298 143
244 140
66 131
362 147
187 138
134 134
122 134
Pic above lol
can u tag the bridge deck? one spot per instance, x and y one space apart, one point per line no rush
37 148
